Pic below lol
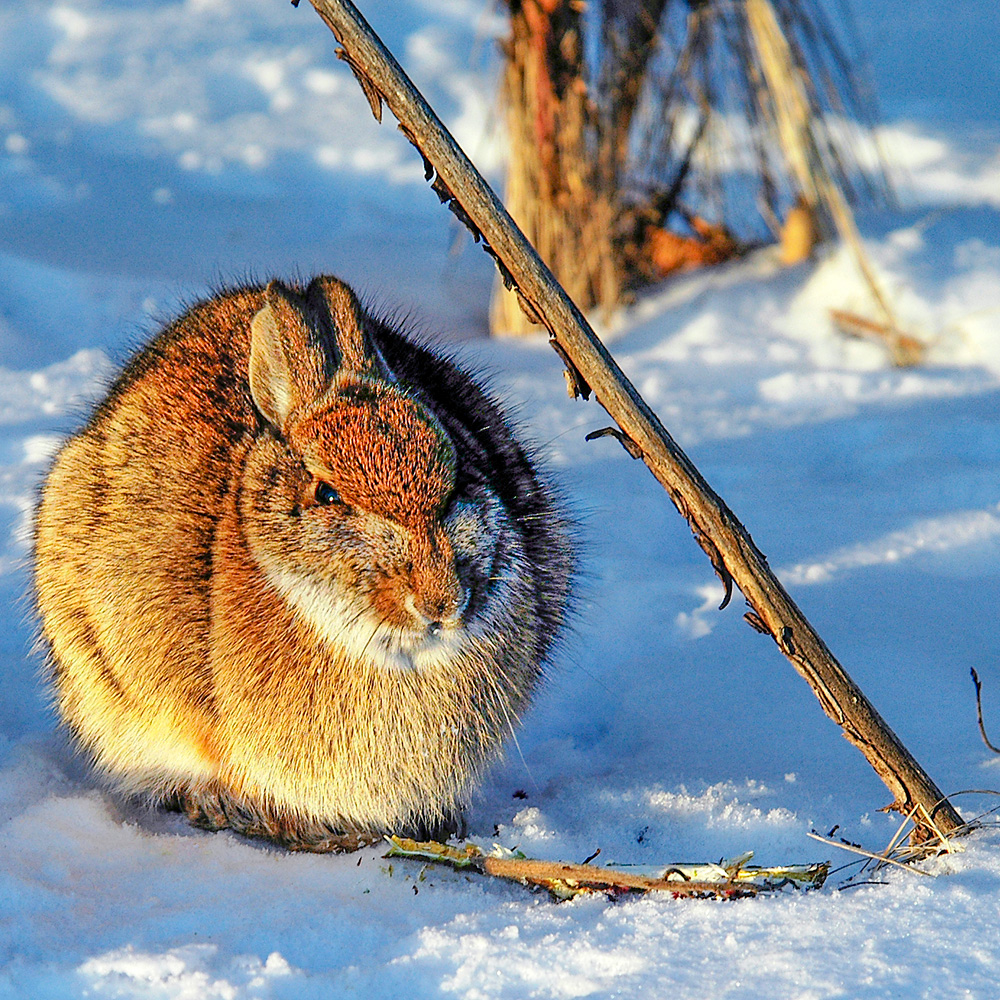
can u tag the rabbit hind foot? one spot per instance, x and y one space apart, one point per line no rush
214 809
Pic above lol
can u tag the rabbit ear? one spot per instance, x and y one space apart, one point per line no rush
287 366
356 354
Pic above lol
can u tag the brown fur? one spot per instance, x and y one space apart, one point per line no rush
207 611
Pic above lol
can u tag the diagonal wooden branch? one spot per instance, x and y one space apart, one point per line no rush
727 543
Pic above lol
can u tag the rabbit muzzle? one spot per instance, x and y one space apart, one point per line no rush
438 598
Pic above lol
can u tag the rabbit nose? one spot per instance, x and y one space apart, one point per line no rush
442 609
439 598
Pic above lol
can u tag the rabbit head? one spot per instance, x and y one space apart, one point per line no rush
351 501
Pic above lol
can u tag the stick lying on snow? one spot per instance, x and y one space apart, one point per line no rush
727 879
590 368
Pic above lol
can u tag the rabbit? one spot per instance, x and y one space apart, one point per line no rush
296 575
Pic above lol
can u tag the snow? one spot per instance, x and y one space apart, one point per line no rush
150 152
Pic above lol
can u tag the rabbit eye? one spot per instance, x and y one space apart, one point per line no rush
326 494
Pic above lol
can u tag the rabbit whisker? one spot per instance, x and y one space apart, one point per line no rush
507 716
356 618
364 648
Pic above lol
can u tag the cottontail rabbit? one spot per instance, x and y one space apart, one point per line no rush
296 575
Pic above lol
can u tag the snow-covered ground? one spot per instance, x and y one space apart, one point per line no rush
150 151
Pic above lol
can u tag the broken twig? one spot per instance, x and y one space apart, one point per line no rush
626 442
906 350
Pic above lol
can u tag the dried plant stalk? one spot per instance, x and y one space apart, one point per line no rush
786 100
555 188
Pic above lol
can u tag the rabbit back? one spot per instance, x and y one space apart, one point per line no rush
123 549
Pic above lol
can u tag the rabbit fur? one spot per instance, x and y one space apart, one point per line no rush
296 575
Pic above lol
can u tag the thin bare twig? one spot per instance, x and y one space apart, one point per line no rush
979 710
869 854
